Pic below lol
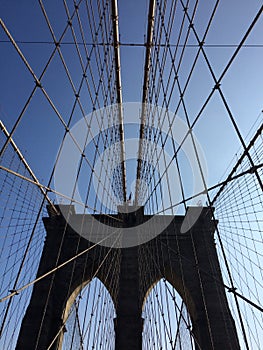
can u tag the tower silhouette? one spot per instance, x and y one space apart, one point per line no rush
187 258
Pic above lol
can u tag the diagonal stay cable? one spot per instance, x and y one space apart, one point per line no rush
229 289
207 101
15 292
77 91
93 276
48 99
22 158
176 71
230 176
14 43
49 189
220 184
212 92
31 236
217 81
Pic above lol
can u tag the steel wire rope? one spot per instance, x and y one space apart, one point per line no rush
180 60
93 276
94 307
193 247
184 105
152 259
217 84
222 75
76 93
229 289
38 81
188 79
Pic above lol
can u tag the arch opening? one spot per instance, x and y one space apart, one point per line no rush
167 323
90 318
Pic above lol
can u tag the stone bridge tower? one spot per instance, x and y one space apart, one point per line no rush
204 302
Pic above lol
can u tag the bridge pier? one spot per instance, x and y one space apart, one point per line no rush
129 323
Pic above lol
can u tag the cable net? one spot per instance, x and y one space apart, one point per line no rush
184 78
239 211
22 239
